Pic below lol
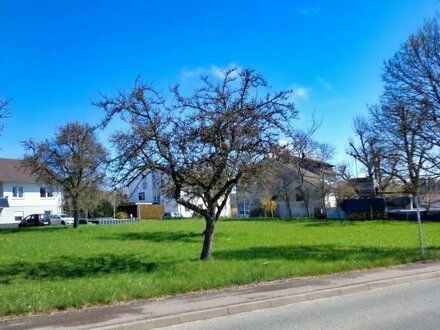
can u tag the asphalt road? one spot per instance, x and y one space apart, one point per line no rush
406 306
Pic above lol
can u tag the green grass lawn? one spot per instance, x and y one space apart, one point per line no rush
43 269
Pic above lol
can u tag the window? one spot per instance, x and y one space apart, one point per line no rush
18 215
299 197
156 199
17 192
141 196
45 192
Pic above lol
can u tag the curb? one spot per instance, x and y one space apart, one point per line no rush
267 303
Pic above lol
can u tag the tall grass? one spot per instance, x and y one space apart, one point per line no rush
42 269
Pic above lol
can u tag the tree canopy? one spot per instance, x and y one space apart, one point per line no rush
205 143
401 137
73 160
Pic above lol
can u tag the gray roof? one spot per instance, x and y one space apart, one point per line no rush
11 170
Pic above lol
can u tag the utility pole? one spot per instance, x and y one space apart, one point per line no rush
419 222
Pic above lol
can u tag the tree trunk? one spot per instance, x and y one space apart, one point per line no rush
75 213
306 205
209 237
289 207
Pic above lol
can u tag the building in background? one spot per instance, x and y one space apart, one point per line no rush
146 189
21 194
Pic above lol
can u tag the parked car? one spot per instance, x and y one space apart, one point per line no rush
61 219
172 215
35 220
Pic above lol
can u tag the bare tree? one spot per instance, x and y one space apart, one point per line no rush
205 144
412 76
284 179
4 113
74 160
306 153
247 194
369 151
327 176
400 129
401 137
344 188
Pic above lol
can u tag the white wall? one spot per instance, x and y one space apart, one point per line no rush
150 185
171 205
30 203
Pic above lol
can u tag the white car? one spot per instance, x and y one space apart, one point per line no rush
172 215
61 219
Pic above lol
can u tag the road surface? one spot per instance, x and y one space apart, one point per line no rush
408 306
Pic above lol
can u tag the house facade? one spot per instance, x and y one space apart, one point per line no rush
316 204
21 194
300 187
146 189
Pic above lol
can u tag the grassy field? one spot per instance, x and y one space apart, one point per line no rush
43 269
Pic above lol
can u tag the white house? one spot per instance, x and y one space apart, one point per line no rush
298 206
21 194
291 201
146 189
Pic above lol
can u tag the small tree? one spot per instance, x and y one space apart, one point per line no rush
269 205
204 144
74 160
344 188
4 113
369 150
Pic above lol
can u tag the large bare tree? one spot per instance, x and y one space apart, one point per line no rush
401 137
412 76
205 143
369 149
400 128
74 160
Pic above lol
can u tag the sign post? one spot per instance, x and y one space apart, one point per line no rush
419 222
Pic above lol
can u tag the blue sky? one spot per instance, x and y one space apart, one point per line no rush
56 57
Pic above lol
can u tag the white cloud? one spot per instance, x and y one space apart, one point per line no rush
309 10
217 71
300 92
214 71
327 86
191 73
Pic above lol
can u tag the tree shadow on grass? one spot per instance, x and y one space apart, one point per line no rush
278 220
158 236
331 223
267 220
68 267
323 253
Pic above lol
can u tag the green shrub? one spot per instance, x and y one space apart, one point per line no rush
121 215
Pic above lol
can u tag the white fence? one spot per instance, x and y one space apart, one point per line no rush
111 221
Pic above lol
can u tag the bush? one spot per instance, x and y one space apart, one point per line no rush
121 215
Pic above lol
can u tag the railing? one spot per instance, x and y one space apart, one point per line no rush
111 221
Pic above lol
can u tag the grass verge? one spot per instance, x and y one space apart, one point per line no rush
43 269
